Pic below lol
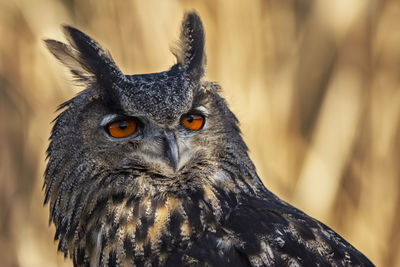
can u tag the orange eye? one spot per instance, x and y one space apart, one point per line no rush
122 128
193 121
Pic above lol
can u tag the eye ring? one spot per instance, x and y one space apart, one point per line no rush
193 121
121 128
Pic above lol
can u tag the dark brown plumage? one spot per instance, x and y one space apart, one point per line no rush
166 194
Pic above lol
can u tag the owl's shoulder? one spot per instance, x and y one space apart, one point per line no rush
269 232
272 232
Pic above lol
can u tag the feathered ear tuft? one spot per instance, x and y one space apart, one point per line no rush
190 52
85 58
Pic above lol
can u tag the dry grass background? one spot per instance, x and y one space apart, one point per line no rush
315 84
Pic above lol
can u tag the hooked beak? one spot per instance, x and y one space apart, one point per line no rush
172 149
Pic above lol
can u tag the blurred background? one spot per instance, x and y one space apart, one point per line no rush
315 84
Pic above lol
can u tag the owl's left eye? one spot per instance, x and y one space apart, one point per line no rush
122 128
193 122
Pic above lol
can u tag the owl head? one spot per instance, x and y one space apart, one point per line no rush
136 138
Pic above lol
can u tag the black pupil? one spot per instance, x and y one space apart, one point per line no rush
122 125
190 118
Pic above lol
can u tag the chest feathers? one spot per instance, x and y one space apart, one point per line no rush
145 231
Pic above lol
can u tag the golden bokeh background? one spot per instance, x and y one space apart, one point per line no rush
315 84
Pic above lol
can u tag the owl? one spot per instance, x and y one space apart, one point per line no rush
151 170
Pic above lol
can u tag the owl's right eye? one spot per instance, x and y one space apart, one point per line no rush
122 128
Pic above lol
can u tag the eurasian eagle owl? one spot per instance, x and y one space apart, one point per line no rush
151 170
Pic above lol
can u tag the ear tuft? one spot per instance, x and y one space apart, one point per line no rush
70 58
190 52
85 58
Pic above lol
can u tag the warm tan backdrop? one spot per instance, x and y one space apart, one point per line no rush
315 84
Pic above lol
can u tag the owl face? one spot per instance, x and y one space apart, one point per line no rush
166 141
